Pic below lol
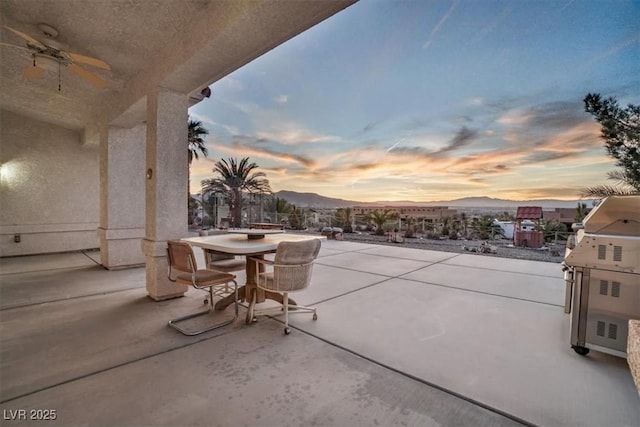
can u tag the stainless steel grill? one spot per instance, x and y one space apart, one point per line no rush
602 273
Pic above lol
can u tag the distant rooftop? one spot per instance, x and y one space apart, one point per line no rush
529 212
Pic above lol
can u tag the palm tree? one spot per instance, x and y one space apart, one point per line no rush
343 217
234 178
195 140
195 143
380 218
623 187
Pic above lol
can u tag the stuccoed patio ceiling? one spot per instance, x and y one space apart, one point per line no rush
182 45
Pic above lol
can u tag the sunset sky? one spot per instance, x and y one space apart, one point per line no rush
431 100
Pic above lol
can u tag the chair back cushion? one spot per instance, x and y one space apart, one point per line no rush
292 253
179 255
293 266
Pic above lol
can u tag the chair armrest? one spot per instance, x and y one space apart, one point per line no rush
260 260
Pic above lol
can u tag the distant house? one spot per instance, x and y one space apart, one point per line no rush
431 214
566 216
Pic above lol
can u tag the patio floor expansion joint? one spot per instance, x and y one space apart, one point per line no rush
481 292
507 271
114 291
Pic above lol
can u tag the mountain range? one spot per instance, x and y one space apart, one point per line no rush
318 201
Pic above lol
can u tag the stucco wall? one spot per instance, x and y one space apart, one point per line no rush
49 188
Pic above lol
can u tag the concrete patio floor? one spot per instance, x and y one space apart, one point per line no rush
404 337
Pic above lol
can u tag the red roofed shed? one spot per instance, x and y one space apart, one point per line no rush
529 212
528 238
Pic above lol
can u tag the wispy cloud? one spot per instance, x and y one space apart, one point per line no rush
440 23
567 4
282 99
265 153
395 144
233 84
515 117
477 101
232 130
491 25
615 49
293 134
203 118
463 137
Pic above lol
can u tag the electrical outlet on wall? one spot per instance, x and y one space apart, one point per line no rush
16 238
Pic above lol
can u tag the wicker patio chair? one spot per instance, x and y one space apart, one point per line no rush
290 272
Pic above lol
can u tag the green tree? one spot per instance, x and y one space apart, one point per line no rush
344 217
464 223
458 224
380 218
278 207
506 216
446 224
621 135
411 227
233 178
551 229
581 212
484 228
193 205
296 218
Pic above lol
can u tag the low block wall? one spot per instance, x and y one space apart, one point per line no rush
47 238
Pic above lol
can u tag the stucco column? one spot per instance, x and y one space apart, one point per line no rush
122 171
166 178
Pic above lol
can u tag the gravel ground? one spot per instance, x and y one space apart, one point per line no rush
556 254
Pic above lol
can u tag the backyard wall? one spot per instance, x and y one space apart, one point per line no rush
49 188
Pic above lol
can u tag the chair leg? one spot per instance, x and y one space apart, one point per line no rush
285 299
252 298
174 323
299 309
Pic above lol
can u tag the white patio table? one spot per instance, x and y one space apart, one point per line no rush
248 242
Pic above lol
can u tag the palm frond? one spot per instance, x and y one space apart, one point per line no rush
602 191
618 175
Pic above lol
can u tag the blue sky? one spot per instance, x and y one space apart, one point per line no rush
431 100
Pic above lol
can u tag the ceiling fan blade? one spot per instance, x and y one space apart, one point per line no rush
89 61
32 72
27 37
15 46
88 75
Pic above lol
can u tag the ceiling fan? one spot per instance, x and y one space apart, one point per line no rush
47 51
